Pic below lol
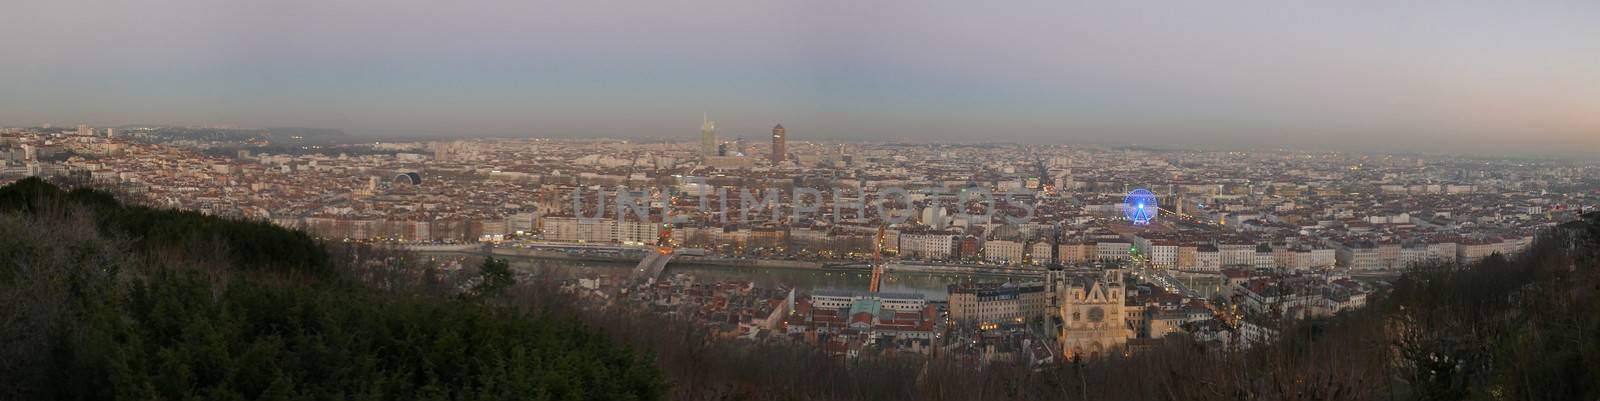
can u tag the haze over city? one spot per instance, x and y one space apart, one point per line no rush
809 200
1481 77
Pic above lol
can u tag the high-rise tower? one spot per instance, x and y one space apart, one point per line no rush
708 136
778 146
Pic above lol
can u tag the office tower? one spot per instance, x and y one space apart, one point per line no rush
722 149
708 137
778 145
442 151
84 130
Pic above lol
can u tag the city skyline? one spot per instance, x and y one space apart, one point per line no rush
1014 200
1471 77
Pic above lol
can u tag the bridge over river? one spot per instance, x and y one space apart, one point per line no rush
653 264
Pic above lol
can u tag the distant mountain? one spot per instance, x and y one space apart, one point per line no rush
321 133
242 134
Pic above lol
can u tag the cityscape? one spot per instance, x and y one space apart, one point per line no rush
1240 239
1072 201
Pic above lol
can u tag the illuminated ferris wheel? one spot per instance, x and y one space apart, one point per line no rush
1140 207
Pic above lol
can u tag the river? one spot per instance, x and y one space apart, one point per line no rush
933 286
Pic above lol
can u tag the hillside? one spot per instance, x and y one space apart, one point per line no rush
104 301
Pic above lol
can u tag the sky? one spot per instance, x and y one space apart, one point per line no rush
1425 76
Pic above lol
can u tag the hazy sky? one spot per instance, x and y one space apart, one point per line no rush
1492 76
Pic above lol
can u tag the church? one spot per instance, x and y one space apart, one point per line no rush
1093 315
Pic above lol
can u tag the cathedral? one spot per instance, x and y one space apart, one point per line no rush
1094 321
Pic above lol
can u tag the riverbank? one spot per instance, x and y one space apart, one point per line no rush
754 264
966 269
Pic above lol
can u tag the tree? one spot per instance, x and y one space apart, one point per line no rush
494 277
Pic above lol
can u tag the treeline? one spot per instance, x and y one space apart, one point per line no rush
100 301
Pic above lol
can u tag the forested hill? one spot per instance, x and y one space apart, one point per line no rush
104 301
247 245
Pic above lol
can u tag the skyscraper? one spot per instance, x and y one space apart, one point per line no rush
708 137
778 147
443 151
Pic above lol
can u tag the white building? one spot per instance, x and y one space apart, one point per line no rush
1310 259
931 246
1359 255
1002 251
1112 251
1039 252
1163 254
1234 255
1207 258
599 230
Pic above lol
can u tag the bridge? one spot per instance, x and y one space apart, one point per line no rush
653 264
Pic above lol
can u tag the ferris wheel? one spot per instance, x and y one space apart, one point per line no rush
1140 206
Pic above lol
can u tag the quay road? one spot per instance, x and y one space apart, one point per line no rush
446 247
653 262
1164 279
